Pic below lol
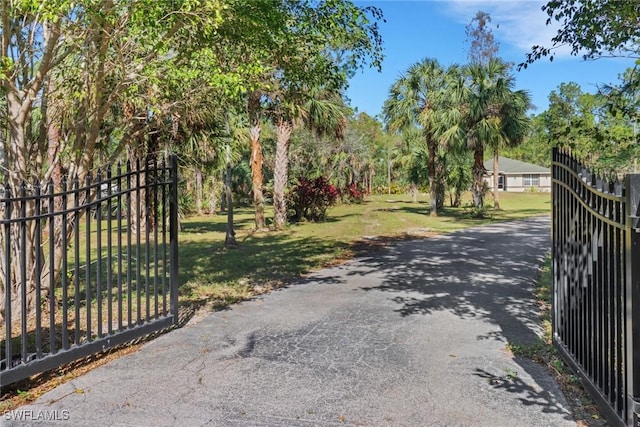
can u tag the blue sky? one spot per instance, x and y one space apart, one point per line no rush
436 29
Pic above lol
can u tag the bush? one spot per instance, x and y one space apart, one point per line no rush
310 199
470 211
353 194
395 189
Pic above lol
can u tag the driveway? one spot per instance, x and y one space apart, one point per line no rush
412 335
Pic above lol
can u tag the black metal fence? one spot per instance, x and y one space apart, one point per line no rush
86 266
596 269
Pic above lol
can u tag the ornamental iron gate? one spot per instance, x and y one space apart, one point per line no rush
86 266
596 283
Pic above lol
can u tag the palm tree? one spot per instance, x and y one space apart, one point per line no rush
320 111
515 126
494 114
414 101
254 109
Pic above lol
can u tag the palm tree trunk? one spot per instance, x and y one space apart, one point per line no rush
230 237
256 159
440 182
433 191
199 190
477 188
496 202
280 176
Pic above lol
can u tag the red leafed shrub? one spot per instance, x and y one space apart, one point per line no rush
355 194
310 198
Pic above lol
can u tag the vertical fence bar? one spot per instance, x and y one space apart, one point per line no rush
23 272
87 285
147 234
7 271
157 181
130 213
619 306
138 220
632 185
109 256
596 262
583 264
173 236
52 260
65 264
609 298
603 259
38 266
98 208
76 266
555 231
119 236
165 183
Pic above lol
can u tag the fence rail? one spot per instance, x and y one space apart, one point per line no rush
596 271
86 266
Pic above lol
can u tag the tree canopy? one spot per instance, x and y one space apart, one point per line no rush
592 28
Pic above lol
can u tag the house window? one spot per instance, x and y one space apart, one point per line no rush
500 182
530 180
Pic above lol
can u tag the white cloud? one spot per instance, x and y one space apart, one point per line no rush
522 23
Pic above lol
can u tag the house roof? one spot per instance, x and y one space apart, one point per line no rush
509 166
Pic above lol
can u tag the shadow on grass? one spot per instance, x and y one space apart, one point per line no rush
215 225
260 261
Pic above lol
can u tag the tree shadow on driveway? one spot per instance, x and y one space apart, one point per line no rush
485 274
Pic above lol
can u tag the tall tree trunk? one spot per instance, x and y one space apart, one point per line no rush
53 137
477 188
280 178
433 190
230 237
440 182
256 159
199 190
456 198
3 158
496 202
389 171
19 111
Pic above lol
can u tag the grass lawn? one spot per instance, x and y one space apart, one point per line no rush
213 275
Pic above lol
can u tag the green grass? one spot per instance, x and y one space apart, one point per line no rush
215 276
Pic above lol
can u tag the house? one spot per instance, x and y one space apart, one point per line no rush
514 175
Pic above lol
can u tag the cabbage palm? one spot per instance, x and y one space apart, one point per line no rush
515 126
320 111
414 101
494 115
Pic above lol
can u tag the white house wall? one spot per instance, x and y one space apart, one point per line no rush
515 183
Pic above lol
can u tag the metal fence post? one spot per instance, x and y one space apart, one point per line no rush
632 303
555 231
173 236
7 272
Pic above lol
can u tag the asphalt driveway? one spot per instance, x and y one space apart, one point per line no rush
412 335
